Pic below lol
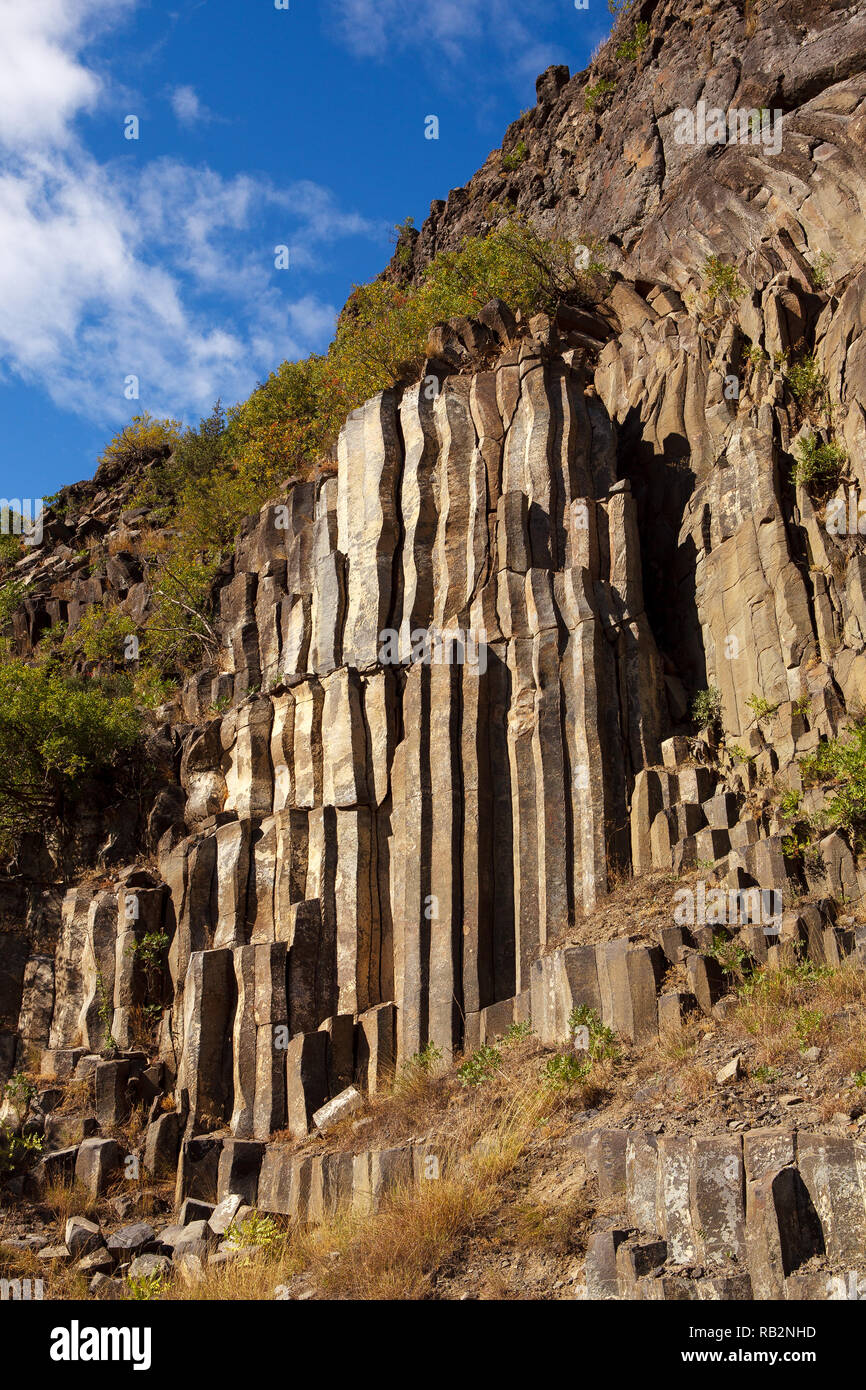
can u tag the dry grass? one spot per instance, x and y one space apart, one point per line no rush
789 1010
400 1251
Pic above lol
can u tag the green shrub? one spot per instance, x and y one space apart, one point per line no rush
632 48
807 1027
518 156
842 761
100 636
707 707
11 546
722 283
789 803
144 1288
17 1151
12 595
565 1069
20 1090
807 383
818 465
142 440
820 270
756 356
480 1066
761 708
179 632
731 955
515 1033
418 1066
597 92
258 1230
55 730
602 1040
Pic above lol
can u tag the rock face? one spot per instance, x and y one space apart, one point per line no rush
400 833
454 675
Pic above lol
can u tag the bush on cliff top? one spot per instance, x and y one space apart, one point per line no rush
226 468
201 482
292 418
55 731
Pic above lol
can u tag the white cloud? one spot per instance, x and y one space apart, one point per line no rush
43 85
188 108
373 28
160 270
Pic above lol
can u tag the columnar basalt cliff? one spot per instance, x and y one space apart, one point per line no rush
450 708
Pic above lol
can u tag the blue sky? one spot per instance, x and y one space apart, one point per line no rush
153 258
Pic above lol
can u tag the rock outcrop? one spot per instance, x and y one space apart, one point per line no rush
449 710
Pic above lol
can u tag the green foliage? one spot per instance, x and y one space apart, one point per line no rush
756 356
144 1288
143 439
420 1064
105 1013
859 1078
842 761
403 253
55 730
722 284
820 270
151 948
187 475
179 630
11 546
20 1090
100 636
807 1027
565 1069
818 465
807 383
707 707
17 1151
516 1033
518 156
765 1074
12 595
789 803
740 754
731 955
602 1040
480 1066
761 708
258 1230
597 92
802 705
631 49
776 983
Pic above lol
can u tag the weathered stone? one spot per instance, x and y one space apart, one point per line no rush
130 1241
81 1236
238 1172
346 1103
96 1165
375 1047
306 1079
